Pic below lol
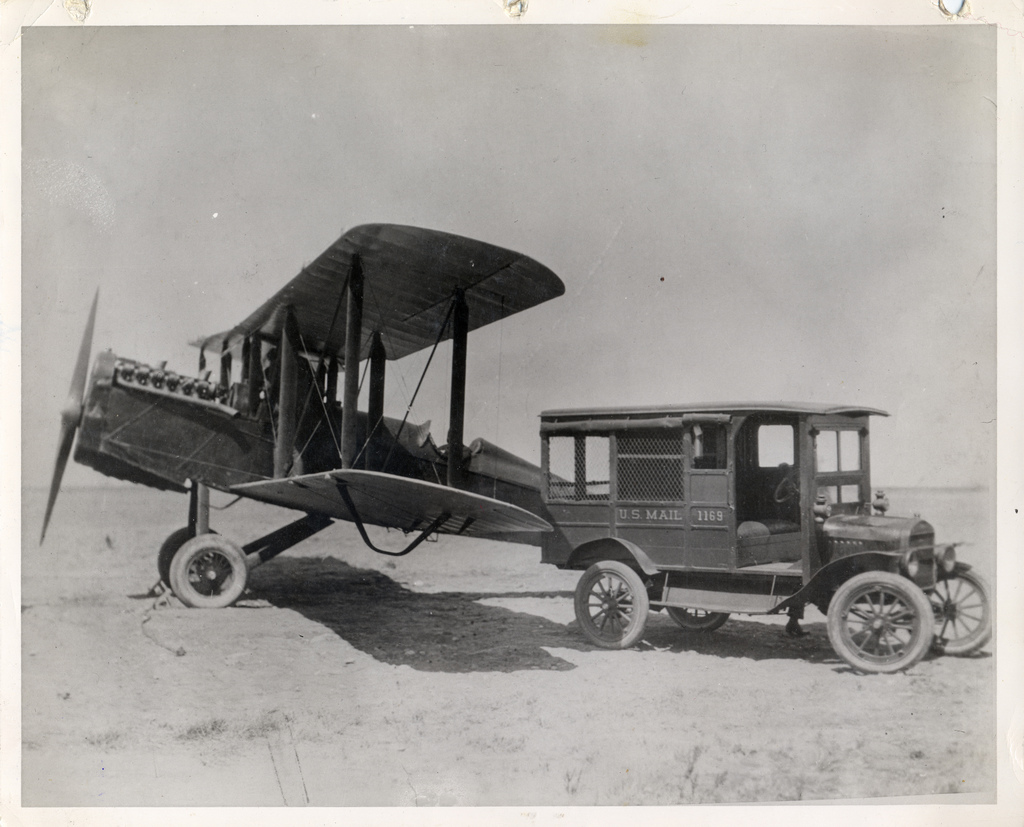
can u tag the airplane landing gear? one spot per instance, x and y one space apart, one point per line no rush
207 571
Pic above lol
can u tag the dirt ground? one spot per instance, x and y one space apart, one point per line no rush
454 676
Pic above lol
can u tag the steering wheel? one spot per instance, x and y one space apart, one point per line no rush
788 487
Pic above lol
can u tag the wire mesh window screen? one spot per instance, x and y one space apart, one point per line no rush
579 468
650 466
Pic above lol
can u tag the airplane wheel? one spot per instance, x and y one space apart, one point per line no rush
697 620
612 605
963 613
208 572
174 541
879 622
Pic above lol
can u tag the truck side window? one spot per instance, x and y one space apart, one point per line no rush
709 446
774 445
837 451
578 467
827 452
849 451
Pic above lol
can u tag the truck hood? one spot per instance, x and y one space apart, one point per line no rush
848 534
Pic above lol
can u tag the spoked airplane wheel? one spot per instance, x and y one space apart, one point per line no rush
174 541
612 605
697 620
963 613
208 572
880 622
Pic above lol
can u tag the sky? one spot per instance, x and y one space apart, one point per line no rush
738 213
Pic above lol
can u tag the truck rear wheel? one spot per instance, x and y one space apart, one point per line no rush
697 620
879 622
612 605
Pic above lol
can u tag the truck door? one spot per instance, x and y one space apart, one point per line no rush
710 512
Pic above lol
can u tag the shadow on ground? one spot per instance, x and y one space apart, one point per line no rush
453 632
742 638
446 632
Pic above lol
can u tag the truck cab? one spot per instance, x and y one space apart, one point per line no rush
715 509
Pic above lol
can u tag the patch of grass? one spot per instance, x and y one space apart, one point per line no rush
827 756
504 744
104 739
261 727
509 744
572 780
207 729
688 777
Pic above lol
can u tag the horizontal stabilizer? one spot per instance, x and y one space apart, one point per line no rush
394 502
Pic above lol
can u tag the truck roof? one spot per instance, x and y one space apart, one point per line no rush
717 407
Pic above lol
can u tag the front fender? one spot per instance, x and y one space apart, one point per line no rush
828 578
611 548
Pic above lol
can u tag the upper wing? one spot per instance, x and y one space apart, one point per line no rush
395 502
409 276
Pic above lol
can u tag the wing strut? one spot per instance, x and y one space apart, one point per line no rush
375 409
351 506
288 367
457 411
353 339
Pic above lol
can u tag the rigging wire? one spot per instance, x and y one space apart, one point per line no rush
408 410
320 394
386 333
363 377
368 287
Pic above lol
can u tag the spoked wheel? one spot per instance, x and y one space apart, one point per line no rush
880 622
697 620
963 613
612 605
174 541
208 572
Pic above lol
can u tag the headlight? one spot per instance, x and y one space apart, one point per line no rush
912 565
948 559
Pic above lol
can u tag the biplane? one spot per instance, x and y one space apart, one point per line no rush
271 427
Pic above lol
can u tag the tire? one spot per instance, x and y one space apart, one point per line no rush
612 605
208 572
963 613
174 541
879 622
697 620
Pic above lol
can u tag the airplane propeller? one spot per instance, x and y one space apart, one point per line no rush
71 413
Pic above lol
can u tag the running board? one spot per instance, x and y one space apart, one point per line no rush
714 601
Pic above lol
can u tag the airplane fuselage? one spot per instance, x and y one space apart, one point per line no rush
165 431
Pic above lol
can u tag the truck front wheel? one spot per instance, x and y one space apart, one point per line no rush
612 605
963 613
880 622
